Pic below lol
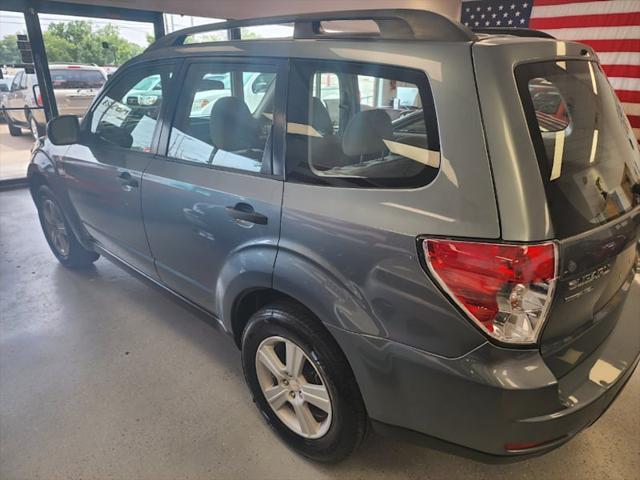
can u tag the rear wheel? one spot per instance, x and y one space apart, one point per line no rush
60 237
302 383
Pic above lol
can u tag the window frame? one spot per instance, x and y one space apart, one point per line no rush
85 124
349 67
281 67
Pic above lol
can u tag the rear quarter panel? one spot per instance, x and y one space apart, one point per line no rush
351 255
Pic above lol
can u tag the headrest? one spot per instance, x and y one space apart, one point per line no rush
319 116
365 132
231 125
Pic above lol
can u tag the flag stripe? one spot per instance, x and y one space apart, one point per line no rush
586 8
628 96
620 58
584 21
595 33
622 83
631 108
560 2
634 120
632 71
620 45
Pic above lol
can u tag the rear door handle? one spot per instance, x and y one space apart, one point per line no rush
246 213
127 180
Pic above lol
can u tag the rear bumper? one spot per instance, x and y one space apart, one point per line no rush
477 404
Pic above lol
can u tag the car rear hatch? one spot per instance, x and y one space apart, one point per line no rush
580 171
588 160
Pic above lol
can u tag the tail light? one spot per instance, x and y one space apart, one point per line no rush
505 289
39 100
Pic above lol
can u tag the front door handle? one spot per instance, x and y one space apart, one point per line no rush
127 180
246 213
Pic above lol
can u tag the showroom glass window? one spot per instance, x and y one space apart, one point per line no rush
224 117
127 115
360 125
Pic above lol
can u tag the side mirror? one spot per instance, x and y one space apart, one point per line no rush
63 130
260 87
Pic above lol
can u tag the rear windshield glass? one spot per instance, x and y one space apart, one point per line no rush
76 78
587 155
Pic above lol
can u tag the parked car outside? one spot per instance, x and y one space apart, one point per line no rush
74 87
5 86
213 87
427 231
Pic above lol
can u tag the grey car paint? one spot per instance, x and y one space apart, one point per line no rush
491 394
350 255
186 205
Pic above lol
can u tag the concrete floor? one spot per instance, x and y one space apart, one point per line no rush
14 153
102 377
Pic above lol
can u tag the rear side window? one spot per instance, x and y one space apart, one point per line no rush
357 125
587 155
76 78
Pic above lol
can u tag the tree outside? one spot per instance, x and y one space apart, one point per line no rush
9 50
77 42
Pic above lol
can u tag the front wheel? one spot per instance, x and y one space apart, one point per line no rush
302 383
58 233
37 130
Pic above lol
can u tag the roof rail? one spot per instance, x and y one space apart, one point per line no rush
394 24
518 32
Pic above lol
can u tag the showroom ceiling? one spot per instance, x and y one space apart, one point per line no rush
235 9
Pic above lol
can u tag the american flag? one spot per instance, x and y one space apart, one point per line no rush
610 27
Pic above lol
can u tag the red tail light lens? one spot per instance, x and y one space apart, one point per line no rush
505 289
39 100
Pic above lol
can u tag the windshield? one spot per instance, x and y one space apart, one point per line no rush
76 78
586 151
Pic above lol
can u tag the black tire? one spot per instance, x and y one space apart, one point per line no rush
13 130
75 256
349 422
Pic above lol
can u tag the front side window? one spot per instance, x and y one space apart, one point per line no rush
357 125
128 114
224 117
587 155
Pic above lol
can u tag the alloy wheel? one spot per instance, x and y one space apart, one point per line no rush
55 226
294 387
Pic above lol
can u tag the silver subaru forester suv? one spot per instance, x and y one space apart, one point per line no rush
411 227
